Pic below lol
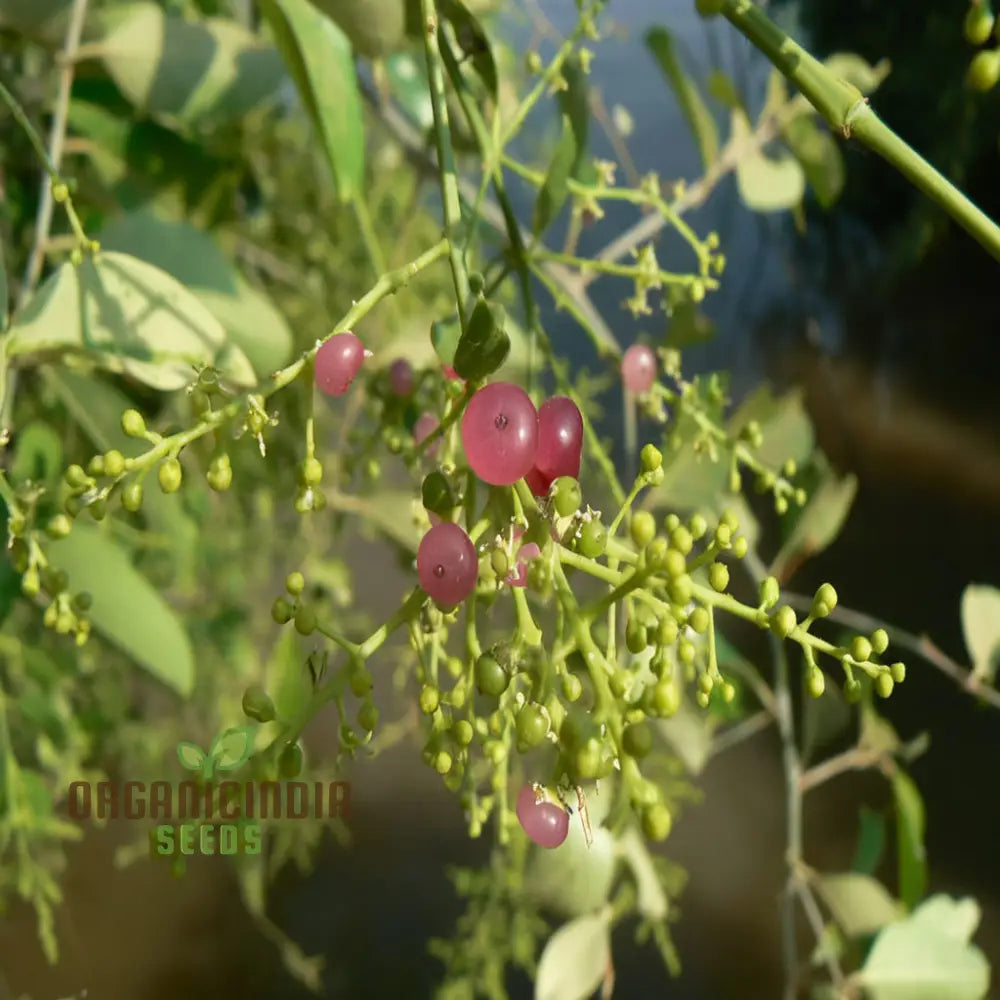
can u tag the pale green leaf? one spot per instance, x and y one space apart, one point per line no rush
574 960
38 455
910 825
651 900
42 20
877 734
4 293
203 72
660 43
981 627
690 732
286 677
816 149
722 88
409 86
195 260
766 184
787 429
926 956
126 609
232 748
860 904
388 512
127 316
857 72
955 918
318 55
871 841
190 755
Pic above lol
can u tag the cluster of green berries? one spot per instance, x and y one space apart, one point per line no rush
980 27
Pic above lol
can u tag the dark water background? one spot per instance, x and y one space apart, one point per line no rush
890 356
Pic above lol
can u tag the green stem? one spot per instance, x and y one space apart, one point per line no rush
446 156
847 111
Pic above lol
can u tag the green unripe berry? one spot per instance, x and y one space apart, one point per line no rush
698 620
687 652
680 539
360 681
532 725
635 636
500 563
670 523
637 740
132 497
430 698
783 622
666 631
680 589
740 547
650 458
824 601
800 496
169 475
59 527
852 690
728 693
657 822
76 478
698 526
305 620
572 688
718 577
491 678
861 649
666 699
770 592
95 467
978 24
133 424
656 555
984 70
566 496
880 641
311 472
72 506
295 583
593 539
463 732
730 520
619 682
706 682
702 699
443 762
884 684
281 611
589 760
723 536
816 683
781 505
114 463
290 761
642 528
220 474
30 584
98 509
64 622
672 563
898 672
368 717
257 705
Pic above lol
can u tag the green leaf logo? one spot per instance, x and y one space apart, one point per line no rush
232 749
191 756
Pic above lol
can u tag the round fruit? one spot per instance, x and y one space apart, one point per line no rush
401 377
337 362
639 369
593 539
545 823
500 433
978 25
560 443
532 725
566 496
447 564
984 70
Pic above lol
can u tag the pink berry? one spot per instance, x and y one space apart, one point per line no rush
560 442
337 362
500 433
639 369
401 377
546 823
450 372
447 564
425 426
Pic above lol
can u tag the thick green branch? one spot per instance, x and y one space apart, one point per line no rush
847 111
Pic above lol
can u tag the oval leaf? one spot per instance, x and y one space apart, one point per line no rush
193 257
38 454
473 42
4 293
910 838
574 960
766 184
190 71
232 748
859 903
126 609
127 316
981 627
191 756
652 900
318 56
286 677
817 151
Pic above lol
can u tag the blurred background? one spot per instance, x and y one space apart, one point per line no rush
880 309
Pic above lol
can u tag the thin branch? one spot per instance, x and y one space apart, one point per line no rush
855 759
966 679
741 732
811 909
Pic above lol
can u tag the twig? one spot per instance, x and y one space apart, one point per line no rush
741 732
919 644
811 909
855 759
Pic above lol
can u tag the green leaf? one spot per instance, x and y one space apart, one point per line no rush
126 608
818 153
409 85
818 524
389 512
857 72
871 842
286 678
765 184
575 959
4 294
660 43
909 838
688 326
232 749
859 903
319 58
191 756
210 72
193 257
42 20
652 901
554 191
473 41
788 431
129 317
928 955
38 455
722 88
981 628
445 334
10 579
